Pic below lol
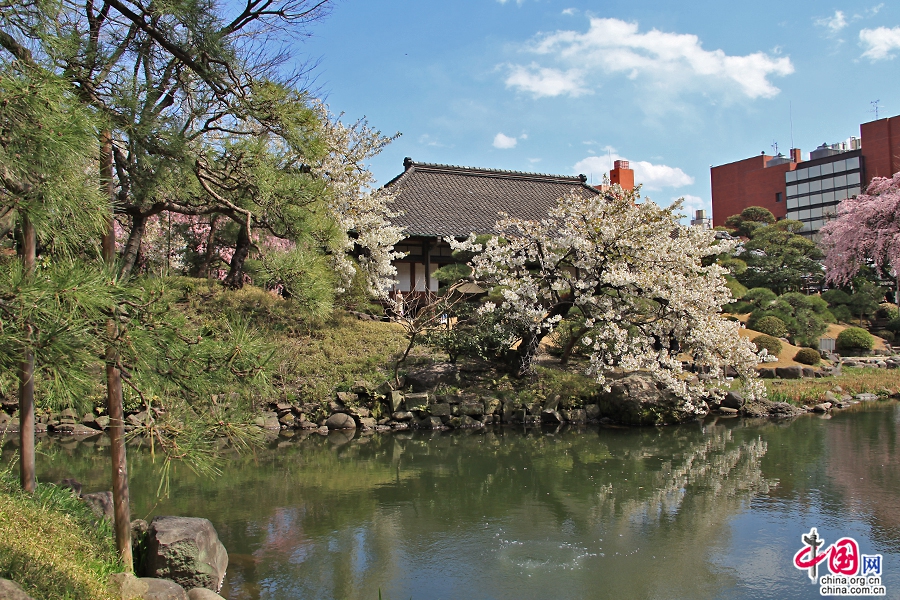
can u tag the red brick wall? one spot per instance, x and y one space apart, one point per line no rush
747 182
881 147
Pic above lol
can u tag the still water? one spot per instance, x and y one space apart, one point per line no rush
708 510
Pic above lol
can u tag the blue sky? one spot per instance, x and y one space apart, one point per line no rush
562 86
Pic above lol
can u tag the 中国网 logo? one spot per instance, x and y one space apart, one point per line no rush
850 573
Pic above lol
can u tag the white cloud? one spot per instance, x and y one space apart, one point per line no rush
569 12
654 177
672 60
504 142
834 23
546 82
880 42
691 204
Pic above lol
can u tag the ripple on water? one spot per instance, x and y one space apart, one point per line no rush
542 555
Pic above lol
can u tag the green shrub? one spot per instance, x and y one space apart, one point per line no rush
842 313
771 344
887 310
886 335
854 339
807 356
771 325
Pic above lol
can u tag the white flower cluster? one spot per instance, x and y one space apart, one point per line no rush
359 209
637 278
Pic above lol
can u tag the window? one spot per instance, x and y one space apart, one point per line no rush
815 199
792 190
853 178
827 168
777 196
840 165
840 181
815 213
814 171
815 186
802 173
804 201
828 196
793 215
853 163
854 191
803 188
792 203
804 214
790 177
828 183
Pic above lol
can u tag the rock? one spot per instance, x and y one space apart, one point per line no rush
592 412
429 423
830 397
468 422
288 420
367 423
789 372
727 410
441 410
766 373
551 416
416 401
552 402
347 398
340 421
186 550
808 372
361 412
472 409
10 590
534 408
203 594
432 376
637 400
866 397
101 503
402 415
125 586
822 408
767 408
396 401
492 406
733 400
162 589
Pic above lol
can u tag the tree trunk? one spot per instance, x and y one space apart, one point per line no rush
133 246
570 345
206 266
121 500
26 372
235 277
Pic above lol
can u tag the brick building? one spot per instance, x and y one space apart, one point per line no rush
808 191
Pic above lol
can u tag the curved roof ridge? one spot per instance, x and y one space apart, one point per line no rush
410 163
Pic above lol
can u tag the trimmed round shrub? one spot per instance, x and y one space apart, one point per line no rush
771 344
887 311
807 356
771 326
854 339
886 335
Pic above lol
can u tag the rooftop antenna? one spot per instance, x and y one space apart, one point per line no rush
609 151
775 147
791 113
874 104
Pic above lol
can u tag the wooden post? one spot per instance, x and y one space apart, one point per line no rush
114 404
26 372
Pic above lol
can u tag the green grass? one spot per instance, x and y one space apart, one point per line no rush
52 545
852 381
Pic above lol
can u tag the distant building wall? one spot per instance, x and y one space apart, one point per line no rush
748 182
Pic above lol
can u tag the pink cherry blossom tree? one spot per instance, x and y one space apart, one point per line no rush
866 231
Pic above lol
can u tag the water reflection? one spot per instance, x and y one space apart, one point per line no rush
648 513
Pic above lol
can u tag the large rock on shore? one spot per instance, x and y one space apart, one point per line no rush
10 590
638 400
186 550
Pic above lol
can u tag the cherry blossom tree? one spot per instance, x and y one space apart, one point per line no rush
635 276
866 231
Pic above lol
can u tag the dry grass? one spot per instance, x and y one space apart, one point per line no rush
51 545
853 381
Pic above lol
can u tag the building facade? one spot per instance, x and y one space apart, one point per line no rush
437 201
808 191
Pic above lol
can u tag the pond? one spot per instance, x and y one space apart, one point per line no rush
708 510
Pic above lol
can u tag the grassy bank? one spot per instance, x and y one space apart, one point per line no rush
853 381
52 545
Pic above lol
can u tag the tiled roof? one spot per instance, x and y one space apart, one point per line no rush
441 200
